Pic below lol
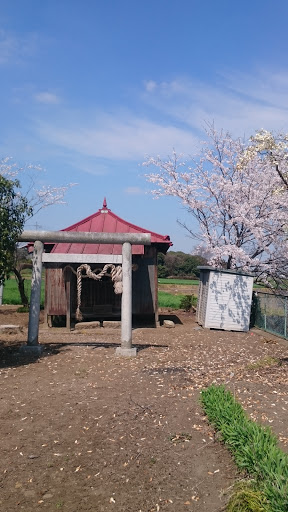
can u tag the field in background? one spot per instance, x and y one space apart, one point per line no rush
170 293
11 294
185 282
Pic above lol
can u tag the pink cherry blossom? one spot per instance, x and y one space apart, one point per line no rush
236 193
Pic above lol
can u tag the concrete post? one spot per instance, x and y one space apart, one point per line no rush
33 326
1 293
126 304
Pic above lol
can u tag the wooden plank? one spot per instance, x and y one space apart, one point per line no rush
68 298
56 297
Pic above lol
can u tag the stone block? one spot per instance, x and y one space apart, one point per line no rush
126 352
169 324
112 324
11 329
87 325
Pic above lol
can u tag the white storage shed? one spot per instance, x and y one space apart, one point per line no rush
224 299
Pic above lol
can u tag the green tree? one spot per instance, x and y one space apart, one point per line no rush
180 264
17 208
14 211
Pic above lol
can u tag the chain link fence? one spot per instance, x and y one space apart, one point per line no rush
270 313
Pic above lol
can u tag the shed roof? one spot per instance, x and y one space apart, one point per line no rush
105 221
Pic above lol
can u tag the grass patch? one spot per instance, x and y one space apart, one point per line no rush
253 447
11 294
264 362
163 280
168 300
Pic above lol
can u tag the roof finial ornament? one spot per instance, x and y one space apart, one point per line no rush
104 203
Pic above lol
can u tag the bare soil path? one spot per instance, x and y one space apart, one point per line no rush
83 430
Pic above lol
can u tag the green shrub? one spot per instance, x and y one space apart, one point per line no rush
187 302
23 309
247 498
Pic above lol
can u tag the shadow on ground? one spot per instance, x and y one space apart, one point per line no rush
10 356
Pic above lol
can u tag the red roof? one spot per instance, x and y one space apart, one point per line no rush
105 221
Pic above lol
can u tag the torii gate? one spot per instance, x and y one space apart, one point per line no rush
125 239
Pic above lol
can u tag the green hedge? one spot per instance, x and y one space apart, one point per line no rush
253 446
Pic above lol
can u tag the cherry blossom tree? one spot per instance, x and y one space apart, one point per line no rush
28 177
236 193
21 199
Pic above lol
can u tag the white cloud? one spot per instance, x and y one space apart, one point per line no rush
238 102
150 85
14 48
175 115
118 137
133 191
47 98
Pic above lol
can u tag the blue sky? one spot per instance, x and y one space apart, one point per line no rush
89 89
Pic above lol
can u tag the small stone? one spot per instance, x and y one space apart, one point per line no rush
169 324
47 496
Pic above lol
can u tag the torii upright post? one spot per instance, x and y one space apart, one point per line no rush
126 304
34 313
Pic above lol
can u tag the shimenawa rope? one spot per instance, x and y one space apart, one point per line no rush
115 273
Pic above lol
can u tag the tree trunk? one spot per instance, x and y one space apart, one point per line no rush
20 283
229 262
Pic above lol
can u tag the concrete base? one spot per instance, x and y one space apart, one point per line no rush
31 350
126 352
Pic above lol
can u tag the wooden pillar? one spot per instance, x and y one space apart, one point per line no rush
67 278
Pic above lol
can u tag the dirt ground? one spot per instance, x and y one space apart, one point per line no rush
183 289
84 430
